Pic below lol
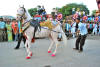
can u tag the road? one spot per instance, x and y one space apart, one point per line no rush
65 57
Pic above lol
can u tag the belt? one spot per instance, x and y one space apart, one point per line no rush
83 35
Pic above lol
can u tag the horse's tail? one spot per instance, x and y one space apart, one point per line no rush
64 38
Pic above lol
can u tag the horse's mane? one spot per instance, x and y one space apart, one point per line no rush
28 15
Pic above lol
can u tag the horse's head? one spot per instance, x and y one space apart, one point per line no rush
21 13
98 4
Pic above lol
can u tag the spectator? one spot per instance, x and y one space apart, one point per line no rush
95 28
91 27
88 24
15 29
9 30
2 30
73 28
67 29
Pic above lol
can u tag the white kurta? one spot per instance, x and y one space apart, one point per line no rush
73 27
95 28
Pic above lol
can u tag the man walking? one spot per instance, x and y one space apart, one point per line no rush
82 29
21 37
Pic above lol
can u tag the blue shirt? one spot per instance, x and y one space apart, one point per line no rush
67 26
54 23
2 25
82 28
91 26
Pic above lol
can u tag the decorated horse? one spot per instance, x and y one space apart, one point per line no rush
47 30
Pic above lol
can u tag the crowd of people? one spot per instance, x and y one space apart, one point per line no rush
70 27
9 29
79 26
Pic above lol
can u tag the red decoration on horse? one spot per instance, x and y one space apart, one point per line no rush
96 19
75 16
59 16
85 18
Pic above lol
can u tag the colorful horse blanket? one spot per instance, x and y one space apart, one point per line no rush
49 24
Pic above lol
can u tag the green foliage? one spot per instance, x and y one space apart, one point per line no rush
32 11
93 12
67 9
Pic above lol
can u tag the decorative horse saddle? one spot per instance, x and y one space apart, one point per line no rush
35 24
49 24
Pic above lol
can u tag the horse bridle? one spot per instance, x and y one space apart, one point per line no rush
23 15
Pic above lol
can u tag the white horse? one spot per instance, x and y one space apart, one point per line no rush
22 13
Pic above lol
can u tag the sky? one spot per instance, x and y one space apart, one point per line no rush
9 7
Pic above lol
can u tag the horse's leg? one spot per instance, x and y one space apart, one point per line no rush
54 38
55 51
28 45
49 49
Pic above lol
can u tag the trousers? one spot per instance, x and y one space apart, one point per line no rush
19 40
80 42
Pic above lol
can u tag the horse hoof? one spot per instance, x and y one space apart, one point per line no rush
49 51
53 55
28 57
31 54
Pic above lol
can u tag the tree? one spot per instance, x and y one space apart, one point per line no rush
32 11
67 9
93 12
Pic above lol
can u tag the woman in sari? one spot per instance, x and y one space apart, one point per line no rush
9 30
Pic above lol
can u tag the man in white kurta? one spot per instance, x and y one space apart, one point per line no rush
73 28
95 28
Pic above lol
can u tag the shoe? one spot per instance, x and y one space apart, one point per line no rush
59 39
80 51
67 38
16 48
24 47
75 49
